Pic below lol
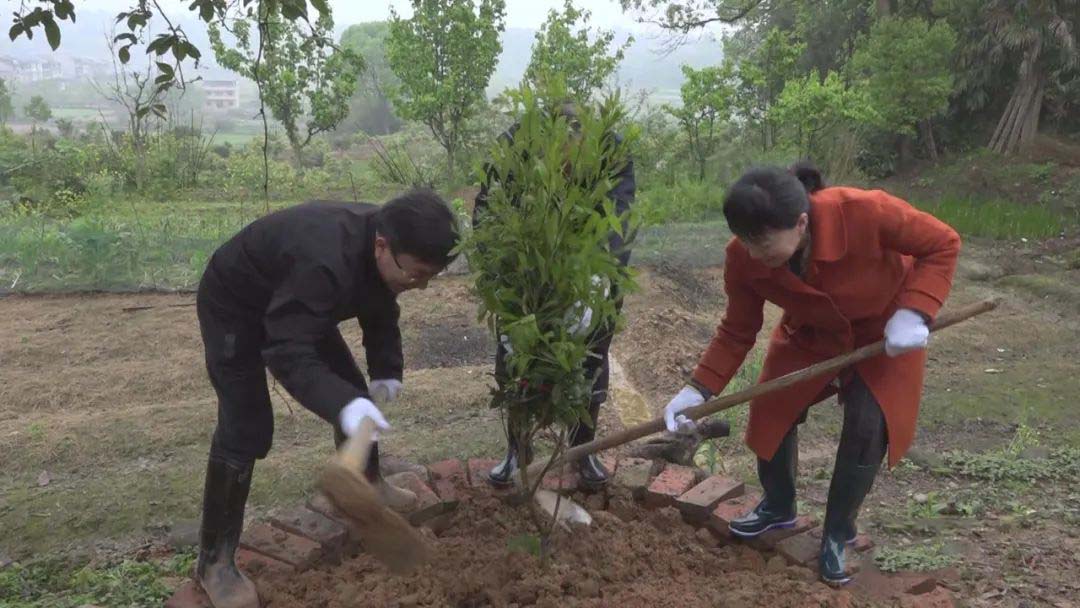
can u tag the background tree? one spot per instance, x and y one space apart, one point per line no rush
38 111
1039 40
707 98
810 109
370 109
566 46
7 108
905 67
444 56
762 74
134 90
303 78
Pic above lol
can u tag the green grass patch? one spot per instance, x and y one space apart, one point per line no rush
917 558
58 583
997 219
85 114
693 245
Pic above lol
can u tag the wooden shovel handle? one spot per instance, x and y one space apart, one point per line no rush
354 454
720 404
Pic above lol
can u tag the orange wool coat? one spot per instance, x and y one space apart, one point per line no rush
871 253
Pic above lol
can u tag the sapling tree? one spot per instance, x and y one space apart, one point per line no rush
545 270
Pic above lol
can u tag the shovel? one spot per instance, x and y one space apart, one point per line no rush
569 512
384 533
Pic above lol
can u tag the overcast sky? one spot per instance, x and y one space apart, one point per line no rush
519 13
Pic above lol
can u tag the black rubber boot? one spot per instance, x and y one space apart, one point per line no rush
502 474
226 492
777 509
850 485
593 473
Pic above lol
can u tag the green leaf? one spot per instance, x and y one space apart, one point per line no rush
125 54
52 32
15 30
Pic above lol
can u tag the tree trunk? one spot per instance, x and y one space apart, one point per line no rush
1020 122
927 128
884 8
904 153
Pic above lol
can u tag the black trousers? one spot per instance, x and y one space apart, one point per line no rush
596 366
233 341
864 437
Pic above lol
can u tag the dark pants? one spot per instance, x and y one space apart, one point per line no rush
595 366
233 342
864 438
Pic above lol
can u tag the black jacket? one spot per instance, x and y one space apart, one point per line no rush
303 270
622 195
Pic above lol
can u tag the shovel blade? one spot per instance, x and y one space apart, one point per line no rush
568 513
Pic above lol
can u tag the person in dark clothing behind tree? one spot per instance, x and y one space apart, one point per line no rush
592 472
271 298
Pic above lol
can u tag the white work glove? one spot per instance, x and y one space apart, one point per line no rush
385 391
354 413
505 341
578 319
906 331
687 398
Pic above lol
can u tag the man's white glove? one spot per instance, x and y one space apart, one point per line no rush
354 413
906 331
687 398
505 341
385 391
578 319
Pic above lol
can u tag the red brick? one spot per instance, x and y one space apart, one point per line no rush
635 474
862 543
478 471
940 597
565 481
428 504
769 539
674 481
801 549
450 470
700 500
190 595
297 551
257 565
305 522
322 505
730 509
920 584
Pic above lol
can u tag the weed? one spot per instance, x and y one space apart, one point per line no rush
926 556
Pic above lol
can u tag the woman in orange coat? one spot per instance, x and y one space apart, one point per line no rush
847 266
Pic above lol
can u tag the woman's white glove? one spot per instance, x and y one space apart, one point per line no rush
385 390
906 331
687 398
354 413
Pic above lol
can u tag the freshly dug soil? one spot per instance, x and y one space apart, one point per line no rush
651 559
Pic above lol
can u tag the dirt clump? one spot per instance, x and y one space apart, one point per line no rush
653 560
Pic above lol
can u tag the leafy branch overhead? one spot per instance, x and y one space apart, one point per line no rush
170 49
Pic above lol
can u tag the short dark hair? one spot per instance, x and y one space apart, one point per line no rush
421 224
770 198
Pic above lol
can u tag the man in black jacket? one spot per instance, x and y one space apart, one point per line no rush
272 298
592 473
